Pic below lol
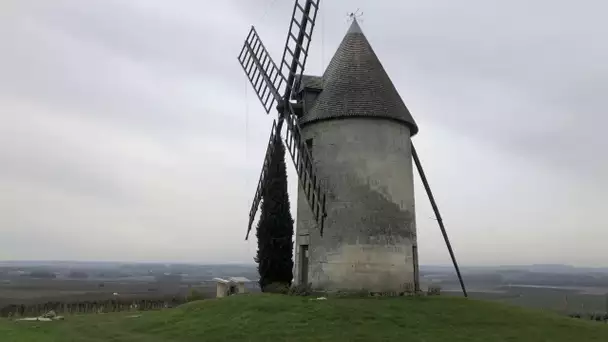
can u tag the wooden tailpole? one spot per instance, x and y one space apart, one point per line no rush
438 216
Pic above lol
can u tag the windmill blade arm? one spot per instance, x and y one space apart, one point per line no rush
261 70
299 35
302 160
262 180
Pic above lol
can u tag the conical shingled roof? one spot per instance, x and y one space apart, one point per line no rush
355 84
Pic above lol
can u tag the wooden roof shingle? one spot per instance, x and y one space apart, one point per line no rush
356 84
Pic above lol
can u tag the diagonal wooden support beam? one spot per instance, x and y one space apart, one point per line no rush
438 216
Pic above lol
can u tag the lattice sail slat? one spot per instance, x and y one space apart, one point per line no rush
299 36
262 180
302 159
264 75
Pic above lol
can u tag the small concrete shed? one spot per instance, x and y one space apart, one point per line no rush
230 286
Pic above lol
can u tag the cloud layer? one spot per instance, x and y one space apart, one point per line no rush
128 131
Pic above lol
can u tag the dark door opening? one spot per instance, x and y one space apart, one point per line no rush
416 270
304 264
232 290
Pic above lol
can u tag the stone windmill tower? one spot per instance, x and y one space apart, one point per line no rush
349 135
358 131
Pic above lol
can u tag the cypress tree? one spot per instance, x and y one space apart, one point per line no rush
275 227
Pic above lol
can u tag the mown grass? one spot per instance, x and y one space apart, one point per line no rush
286 318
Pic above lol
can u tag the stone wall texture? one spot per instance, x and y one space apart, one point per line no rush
365 165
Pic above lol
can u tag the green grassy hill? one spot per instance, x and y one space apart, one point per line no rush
284 318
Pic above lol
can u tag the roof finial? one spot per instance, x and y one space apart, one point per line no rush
352 16
354 26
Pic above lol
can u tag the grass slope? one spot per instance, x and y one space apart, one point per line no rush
284 318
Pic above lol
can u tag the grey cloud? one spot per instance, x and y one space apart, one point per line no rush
525 75
82 70
150 35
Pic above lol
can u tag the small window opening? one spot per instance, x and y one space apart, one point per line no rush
309 146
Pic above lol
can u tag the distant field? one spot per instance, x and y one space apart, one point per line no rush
554 299
35 291
284 318
551 287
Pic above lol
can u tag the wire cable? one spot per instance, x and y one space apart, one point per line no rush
322 40
270 4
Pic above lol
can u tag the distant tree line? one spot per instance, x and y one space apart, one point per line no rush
78 275
596 316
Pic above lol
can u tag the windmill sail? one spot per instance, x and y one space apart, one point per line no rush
299 36
269 81
262 181
302 160
263 73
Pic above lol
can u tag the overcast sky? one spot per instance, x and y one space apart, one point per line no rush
129 132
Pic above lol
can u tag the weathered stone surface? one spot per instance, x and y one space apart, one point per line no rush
365 165
360 130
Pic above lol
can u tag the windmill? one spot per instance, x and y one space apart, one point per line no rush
274 88
356 226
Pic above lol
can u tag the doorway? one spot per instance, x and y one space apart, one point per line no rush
303 264
232 290
416 269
